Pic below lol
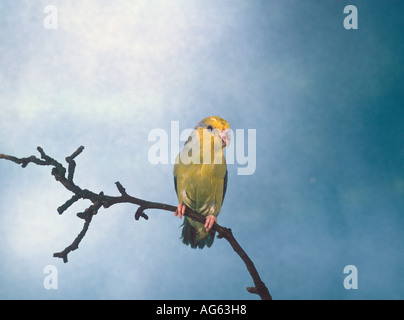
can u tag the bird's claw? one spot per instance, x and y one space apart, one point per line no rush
180 210
210 221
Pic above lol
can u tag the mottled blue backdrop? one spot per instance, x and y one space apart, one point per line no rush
326 103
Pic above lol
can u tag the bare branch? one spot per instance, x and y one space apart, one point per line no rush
75 244
100 200
24 161
72 163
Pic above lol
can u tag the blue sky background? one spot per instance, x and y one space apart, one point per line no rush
327 105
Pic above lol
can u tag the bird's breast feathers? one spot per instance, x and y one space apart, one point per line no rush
200 186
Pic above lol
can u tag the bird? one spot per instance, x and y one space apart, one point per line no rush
200 179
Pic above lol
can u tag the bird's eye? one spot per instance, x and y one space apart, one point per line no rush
210 128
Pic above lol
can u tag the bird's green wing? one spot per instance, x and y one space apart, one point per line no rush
225 185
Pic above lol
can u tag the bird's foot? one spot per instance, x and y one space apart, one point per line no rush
210 221
180 210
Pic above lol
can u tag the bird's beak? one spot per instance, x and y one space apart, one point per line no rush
225 136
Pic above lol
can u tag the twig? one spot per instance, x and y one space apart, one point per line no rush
100 200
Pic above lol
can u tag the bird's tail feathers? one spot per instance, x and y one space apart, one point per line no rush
196 238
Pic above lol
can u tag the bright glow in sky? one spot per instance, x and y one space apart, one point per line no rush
326 104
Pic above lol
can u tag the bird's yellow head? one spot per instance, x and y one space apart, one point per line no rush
217 126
